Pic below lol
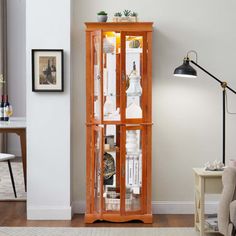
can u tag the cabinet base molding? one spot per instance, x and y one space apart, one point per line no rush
91 218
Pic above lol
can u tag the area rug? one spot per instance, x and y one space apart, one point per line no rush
42 231
6 190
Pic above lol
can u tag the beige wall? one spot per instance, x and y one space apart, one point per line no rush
186 113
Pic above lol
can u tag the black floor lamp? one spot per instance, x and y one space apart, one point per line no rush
186 70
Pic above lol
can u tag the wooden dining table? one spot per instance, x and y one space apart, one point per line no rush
17 125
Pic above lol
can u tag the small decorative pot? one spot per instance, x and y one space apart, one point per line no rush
133 18
102 18
134 43
108 47
125 19
116 19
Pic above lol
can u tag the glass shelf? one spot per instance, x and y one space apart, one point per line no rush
111 95
115 149
136 95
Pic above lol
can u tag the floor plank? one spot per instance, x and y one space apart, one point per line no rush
14 214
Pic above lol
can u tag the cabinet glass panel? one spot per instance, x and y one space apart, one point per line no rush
96 55
133 67
111 168
111 73
133 169
97 168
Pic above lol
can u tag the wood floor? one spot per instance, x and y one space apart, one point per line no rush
14 214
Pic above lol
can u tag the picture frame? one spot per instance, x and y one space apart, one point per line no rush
47 70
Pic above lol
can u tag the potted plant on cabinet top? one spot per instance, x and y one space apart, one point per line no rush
102 16
126 15
134 17
117 17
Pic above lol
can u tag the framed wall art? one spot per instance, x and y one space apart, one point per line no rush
47 70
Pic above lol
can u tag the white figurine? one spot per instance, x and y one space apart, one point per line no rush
215 165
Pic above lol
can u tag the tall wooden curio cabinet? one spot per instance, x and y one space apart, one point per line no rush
118 121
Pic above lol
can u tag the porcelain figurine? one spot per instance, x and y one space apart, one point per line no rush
131 141
134 111
108 47
135 88
108 107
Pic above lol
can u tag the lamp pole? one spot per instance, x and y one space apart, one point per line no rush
224 138
224 86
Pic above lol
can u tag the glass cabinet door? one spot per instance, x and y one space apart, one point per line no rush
134 75
111 169
111 74
97 163
108 174
106 162
133 163
96 57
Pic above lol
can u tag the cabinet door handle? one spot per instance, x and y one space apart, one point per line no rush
123 76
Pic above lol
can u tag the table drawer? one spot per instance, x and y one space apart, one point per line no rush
213 185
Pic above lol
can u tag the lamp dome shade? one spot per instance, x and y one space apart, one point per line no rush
185 70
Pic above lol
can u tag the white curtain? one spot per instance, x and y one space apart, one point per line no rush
3 57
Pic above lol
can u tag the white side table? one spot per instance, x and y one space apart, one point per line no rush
205 182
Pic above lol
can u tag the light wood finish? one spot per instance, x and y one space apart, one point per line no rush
205 182
119 26
95 205
90 218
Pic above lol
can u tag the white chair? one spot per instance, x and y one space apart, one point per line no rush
227 203
7 157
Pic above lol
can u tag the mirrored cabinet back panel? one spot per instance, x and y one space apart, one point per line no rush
118 121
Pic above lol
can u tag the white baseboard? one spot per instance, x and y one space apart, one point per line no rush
48 213
181 207
162 207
